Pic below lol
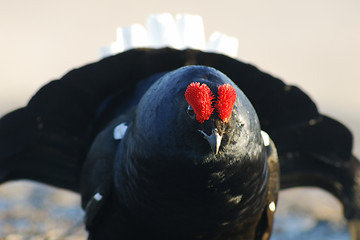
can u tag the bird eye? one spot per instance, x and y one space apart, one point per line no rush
190 112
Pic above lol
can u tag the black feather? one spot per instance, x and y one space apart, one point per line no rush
63 137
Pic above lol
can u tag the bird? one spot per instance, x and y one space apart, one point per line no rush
149 160
182 143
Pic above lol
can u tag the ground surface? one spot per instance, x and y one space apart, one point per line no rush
30 211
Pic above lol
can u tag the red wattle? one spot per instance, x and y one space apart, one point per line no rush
200 99
226 101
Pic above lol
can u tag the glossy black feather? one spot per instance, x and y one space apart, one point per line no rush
59 137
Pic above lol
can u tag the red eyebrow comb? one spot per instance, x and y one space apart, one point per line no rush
200 99
226 101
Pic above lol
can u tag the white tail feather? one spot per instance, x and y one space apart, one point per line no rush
162 30
132 37
222 43
191 31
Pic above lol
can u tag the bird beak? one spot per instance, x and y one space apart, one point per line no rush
214 140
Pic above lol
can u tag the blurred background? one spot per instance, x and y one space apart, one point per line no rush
312 44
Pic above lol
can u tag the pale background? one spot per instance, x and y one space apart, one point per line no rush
314 44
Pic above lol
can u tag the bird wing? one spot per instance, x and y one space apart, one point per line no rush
320 155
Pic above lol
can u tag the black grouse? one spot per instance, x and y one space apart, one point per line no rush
163 144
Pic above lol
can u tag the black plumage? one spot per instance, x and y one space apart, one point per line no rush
162 179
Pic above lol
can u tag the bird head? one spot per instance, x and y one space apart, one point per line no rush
197 111
202 104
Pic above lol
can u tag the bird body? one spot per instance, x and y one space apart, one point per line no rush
163 168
